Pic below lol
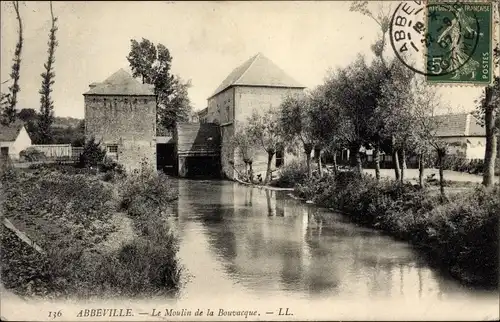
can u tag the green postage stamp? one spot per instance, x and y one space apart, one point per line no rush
447 41
461 37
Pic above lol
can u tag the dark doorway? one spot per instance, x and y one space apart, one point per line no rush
4 153
203 167
165 158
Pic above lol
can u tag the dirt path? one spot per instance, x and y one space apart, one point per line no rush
449 175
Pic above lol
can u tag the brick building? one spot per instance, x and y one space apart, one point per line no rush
120 113
258 84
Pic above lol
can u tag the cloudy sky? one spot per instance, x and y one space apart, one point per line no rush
206 39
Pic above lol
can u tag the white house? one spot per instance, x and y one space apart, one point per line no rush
464 133
13 139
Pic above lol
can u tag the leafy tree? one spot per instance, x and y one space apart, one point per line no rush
179 107
46 117
9 101
425 101
296 120
244 141
326 125
394 113
27 115
354 91
382 17
265 129
152 63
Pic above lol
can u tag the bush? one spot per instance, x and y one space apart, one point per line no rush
291 174
146 192
92 155
31 154
111 169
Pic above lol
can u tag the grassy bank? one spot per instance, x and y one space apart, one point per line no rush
461 233
69 215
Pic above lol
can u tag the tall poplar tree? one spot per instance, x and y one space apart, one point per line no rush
46 117
9 101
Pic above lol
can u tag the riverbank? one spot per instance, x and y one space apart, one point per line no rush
261 186
75 219
461 232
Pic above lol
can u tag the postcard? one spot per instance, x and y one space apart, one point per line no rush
249 161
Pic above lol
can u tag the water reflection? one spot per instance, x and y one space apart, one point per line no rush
236 238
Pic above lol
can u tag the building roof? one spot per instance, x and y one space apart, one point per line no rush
464 124
9 133
257 71
203 111
120 83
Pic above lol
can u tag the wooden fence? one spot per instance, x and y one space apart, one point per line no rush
59 152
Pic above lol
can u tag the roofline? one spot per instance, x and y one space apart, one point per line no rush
243 85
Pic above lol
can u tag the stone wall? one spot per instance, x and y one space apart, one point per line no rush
126 121
248 99
221 107
227 154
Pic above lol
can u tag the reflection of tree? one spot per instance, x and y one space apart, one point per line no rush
249 196
309 250
270 209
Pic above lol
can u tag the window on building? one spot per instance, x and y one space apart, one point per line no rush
112 148
280 158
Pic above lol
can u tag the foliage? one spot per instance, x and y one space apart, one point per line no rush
9 101
178 108
92 154
292 173
297 122
111 169
46 117
460 232
32 154
146 192
51 203
153 63
63 130
69 216
266 130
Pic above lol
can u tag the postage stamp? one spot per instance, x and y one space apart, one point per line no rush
448 42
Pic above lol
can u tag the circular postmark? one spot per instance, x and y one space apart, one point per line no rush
441 34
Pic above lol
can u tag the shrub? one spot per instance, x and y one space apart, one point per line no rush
146 192
92 154
32 154
291 174
111 169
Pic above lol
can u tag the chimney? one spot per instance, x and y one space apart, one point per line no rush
93 85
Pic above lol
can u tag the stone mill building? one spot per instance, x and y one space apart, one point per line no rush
257 84
120 113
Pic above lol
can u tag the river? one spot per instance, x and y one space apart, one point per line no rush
248 245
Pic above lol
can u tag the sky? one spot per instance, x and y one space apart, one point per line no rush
207 40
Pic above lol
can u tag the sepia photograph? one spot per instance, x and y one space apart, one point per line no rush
250 160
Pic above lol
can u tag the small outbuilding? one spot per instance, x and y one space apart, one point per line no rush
13 139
